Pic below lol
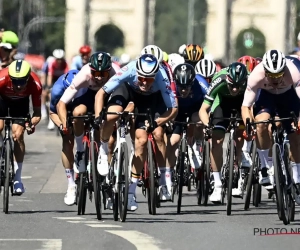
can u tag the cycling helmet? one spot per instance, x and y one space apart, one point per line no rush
184 74
100 61
237 74
58 53
174 60
153 50
206 67
274 61
181 49
249 61
19 72
193 53
165 56
147 65
69 77
85 49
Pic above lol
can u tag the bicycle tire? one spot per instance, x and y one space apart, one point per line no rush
288 193
256 194
278 180
96 180
250 176
153 190
180 172
123 184
115 197
230 174
207 173
7 176
189 180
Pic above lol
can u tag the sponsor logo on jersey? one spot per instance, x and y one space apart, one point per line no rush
125 68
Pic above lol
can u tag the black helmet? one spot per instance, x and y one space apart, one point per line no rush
100 61
237 74
184 74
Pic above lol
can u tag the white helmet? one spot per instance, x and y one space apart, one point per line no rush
206 67
58 53
147 65
181 49
153 50
174 60
125 58
274 61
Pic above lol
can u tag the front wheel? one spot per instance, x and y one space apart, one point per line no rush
180 172
152 198
230 170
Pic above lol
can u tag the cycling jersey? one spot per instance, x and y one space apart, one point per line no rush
84 79
168 70
59 88
128 75
33 88
77 63
219 89
196 96
258 80
56 70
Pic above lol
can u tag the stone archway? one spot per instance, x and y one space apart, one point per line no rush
109 38
250 42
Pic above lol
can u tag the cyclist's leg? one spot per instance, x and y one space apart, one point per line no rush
80 106
117 102
19 108
216 154
263 109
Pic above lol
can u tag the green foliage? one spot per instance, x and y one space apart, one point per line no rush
171 20
43 38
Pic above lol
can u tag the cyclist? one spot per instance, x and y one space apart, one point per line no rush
141 81
249 61
83 58
175 59
90 78
277 81
192 54
17 83
8 44
67 155
206 68
225 94
191 90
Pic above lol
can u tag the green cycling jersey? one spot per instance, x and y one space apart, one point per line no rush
219 90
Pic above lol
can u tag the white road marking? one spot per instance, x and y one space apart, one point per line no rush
140 240
69 218
47 244
102 225
83 221
26 177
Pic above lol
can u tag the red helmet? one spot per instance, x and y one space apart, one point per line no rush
249 61
85 49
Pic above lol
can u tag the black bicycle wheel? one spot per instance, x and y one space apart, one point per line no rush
279 183
8 163
230 174
189 180
250 176
206 183
96 180
115 195
180 172
288 192
153 190
123 184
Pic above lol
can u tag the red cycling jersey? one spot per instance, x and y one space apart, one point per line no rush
33 88
168 70
57 69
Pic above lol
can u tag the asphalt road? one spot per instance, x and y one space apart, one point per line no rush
40 220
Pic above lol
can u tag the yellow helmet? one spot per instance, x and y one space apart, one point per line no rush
19 72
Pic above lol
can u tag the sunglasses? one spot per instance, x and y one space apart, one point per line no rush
233 85
100 73
146 79
274 75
